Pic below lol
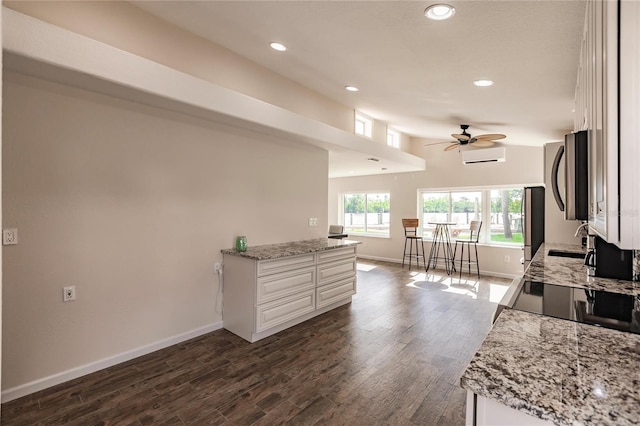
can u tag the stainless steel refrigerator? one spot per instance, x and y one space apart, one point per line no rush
533 212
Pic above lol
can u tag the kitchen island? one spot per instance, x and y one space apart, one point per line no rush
536 369
272 287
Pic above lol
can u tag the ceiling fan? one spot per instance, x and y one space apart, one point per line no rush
480 141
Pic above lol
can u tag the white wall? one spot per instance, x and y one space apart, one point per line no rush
132 205
524 166
125 26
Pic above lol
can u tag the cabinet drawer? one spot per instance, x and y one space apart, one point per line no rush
275 286
335 254
336 291
282 310
266 267
336 270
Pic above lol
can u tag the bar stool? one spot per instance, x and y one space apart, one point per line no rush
474 235
411 235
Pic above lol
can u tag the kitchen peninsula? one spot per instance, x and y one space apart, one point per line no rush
272 287
537 369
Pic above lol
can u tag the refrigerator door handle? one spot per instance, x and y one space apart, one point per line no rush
554 178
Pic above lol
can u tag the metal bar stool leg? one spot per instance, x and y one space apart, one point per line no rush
477 263
404 252
410 251
461 256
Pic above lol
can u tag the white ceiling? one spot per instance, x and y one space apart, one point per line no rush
413 73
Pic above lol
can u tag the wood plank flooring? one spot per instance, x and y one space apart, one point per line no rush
392 356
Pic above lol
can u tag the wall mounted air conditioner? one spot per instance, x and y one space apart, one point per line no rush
486 155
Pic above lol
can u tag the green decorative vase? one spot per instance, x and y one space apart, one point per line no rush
241 243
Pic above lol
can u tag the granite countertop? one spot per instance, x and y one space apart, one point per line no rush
572 272
558 370
275 251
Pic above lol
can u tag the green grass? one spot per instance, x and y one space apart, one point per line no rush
517 238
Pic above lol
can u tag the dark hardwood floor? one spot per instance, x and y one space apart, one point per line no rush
393 356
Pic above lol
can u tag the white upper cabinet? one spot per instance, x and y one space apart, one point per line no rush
607 105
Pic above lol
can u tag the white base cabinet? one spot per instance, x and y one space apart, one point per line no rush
264 297
482 411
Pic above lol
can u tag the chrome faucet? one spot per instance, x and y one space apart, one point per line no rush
581 230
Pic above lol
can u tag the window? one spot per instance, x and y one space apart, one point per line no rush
459 207
393 138
366 214
506 215
498 209
363 125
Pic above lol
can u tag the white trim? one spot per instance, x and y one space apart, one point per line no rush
482 272
92 367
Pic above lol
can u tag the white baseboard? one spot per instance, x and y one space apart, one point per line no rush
482 272
381 259
92 367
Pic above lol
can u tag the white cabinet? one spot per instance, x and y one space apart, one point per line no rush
482 411
336 276
607 104
263 297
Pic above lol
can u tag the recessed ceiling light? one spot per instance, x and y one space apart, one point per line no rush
278 46
439 12
483 83
351 88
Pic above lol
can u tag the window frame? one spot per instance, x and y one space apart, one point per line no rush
485 209
367 124
395 138
366 233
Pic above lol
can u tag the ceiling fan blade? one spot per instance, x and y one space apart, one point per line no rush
451 147
483 143
491 136
437 143
460 137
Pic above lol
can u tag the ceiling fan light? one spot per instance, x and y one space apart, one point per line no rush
483 83
439 12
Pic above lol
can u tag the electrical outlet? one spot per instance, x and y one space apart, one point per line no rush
217 266
313 221
507 259
9 236
69 293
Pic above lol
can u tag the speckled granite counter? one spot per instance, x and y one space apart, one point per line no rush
561 371
572 273
565 372
275 251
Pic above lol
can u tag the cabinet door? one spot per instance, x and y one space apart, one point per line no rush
286 309
491 413
629 190
336 291
275 286
334 271
336 254
602 87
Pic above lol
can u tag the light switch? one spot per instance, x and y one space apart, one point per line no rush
9 236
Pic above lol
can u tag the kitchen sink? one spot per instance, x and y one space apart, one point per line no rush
560 253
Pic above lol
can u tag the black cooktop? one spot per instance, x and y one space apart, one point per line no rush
600 308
